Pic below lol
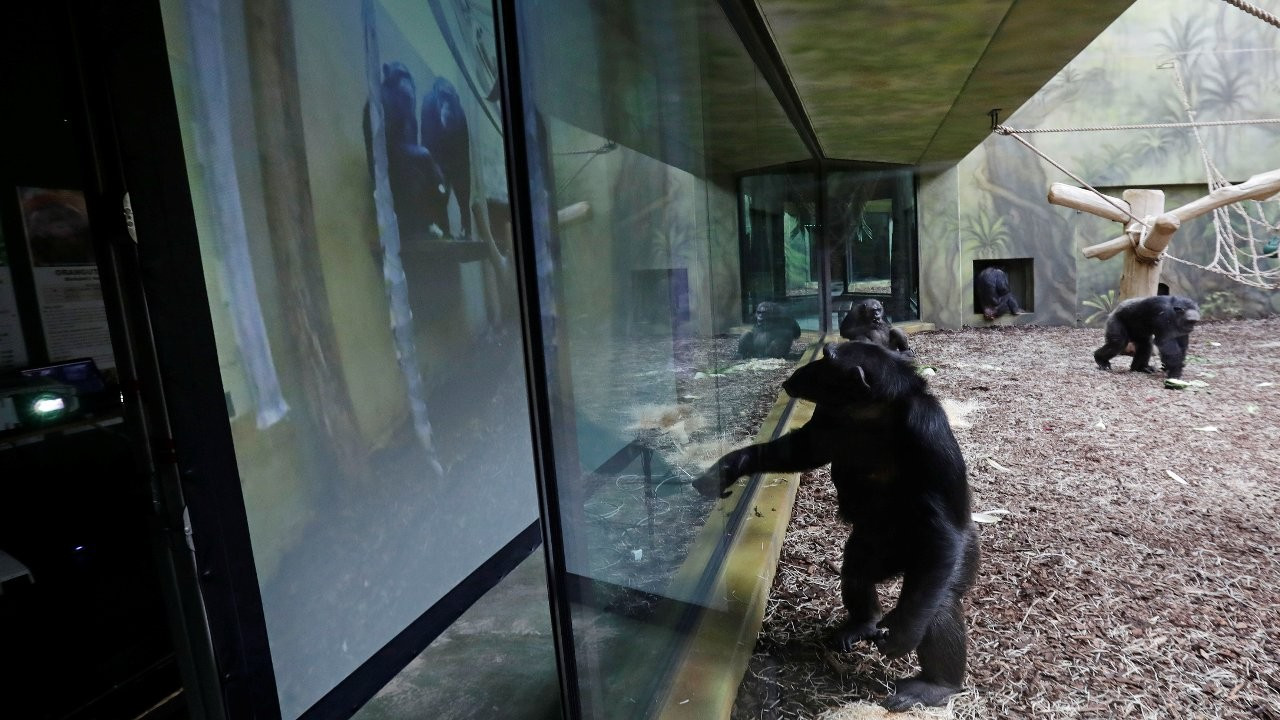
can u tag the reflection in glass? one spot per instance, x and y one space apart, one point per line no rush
644 113
781 256
870 222
348 175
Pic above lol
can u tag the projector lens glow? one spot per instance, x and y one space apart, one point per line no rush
48 405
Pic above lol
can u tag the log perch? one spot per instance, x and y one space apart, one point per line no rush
1158 239
1086 201
1109 249
1258 187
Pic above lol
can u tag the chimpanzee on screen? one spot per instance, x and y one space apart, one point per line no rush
900 479
772 334
865 322
994 296
418 191
1168 318
444 134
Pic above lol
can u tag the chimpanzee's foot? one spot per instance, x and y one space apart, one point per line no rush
1143 369
916 691
1104 366
851 633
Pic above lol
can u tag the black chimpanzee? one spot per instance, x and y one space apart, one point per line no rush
994 296
772 334
1168 318
900 480
444 134
418 191
865 322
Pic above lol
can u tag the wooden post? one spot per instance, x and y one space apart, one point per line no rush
1142 260
1141 275
287 199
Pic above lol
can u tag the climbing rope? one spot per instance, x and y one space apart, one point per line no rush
1255 11
1002 130
1005 130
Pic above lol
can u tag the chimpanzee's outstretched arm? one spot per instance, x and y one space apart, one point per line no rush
802 449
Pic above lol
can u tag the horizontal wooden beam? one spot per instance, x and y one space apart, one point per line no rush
1108 249
1088 201
1158 239
1258 187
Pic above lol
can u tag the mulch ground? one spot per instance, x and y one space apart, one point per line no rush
1136 574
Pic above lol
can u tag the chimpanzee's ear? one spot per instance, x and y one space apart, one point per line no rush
862 376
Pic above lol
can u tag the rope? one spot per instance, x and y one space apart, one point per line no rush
1002 130
1255 11
1005 130
1230 246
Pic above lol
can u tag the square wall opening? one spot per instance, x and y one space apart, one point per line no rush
1022 284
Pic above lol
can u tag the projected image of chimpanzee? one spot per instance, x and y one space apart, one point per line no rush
994 296
444 134
418 191
900 480
1168 319
772 334
865 322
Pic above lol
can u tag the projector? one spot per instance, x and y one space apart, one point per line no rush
27 403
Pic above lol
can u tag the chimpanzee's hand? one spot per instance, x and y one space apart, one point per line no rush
717 479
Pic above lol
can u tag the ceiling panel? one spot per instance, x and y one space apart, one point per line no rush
911 81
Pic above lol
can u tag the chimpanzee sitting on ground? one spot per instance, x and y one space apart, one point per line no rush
994 296
1168 318
900 479
772 334
865 322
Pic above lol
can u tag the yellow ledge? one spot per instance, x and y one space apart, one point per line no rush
705 681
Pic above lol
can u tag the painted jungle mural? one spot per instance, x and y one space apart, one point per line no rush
1228 63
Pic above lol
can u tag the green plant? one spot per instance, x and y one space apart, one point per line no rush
1221 305
1103 305
990 237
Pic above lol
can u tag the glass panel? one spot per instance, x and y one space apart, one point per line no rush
781 258
870 220
642 114
348 176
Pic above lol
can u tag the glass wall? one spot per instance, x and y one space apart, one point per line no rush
870 222
642 116
346 160
781 244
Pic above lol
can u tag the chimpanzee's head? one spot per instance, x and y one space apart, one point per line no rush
767 311
870 312
854 372
1185 313
398 94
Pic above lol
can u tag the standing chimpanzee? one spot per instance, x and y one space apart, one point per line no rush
994 296
865 322
772 334
900 480
1168 318
444 133
418 191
